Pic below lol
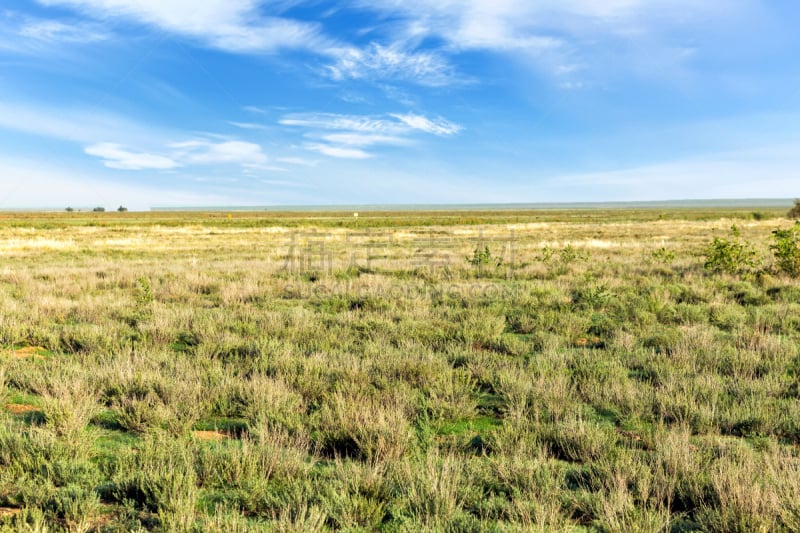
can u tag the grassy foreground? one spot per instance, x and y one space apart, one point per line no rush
488 371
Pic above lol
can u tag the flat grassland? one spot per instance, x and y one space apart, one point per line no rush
431 371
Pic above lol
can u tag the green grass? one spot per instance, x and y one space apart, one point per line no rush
365 375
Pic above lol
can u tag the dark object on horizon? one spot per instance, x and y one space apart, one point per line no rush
122 209
794 213
99 209
70 209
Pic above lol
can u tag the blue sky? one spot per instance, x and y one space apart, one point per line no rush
291 102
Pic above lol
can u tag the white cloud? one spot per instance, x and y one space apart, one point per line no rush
42 38
189 153
471 24
361 139
338 151
333 121
556 36
352 134
59 32
202 152
115 156
378 62
88 126
46 185
438 126
248 125
232 25
254 109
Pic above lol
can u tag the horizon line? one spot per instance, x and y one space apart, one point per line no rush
372 207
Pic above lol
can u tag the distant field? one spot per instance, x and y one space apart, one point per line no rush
515 370
330 218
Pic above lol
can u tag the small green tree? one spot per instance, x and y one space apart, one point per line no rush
122 209
99 209
787 249
794 212
732 256
70 209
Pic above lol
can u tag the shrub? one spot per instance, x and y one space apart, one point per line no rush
68 407
731 256
158 476
664 256
787 249
570 254
794 212
483 257
144 292
122 209
369 428
99 209
592 297
70 209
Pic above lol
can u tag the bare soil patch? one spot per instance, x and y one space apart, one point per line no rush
21 409
8 512
28 352
213 436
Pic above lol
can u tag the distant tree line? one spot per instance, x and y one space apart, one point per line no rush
121 209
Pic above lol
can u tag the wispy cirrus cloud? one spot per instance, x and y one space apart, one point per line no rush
338 151
335 121
523 25
231 25
195 152
118 157
35 36
363 139
248 125
436 126
205 152
349 136
54 31
565 38
377 62
125 144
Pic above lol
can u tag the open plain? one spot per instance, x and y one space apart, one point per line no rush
409 371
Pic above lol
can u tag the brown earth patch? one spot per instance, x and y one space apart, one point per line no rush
32 352
21 408
7 512
214 436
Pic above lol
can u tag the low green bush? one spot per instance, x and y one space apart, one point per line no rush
786 248
731 256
